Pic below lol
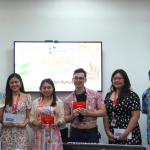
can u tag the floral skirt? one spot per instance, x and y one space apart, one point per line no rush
47 139
17 140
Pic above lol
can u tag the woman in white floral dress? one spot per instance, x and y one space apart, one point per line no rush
15 136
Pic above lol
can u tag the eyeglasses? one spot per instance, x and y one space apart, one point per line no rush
115 78
80 78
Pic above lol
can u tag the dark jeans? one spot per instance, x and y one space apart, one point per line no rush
80 136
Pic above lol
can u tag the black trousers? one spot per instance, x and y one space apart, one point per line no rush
88 136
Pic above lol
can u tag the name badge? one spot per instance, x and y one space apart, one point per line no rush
79 105
113 122
47 119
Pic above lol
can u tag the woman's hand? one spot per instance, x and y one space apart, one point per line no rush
7 124
19 125
55 125
111 136
122 137
37 123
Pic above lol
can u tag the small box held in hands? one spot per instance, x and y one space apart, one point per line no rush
47 119
79 105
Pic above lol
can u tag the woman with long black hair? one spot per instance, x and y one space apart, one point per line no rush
47 136
123 111
15 135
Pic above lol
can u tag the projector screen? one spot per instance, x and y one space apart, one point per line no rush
35 61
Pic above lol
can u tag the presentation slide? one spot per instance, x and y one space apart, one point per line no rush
35 61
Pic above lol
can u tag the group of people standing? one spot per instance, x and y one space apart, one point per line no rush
15 135
120 109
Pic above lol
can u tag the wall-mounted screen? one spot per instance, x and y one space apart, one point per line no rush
35 61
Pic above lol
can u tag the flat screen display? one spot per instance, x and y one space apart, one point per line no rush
35 61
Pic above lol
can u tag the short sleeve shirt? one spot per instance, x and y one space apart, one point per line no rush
93 102
122 115
146 110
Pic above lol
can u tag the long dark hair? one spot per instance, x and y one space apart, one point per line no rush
126 88
48 80
9 91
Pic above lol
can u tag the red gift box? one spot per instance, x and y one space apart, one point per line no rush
47 119
79 105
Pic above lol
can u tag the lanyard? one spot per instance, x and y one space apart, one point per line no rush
114 102
15 107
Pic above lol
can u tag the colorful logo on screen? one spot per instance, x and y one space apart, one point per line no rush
51 49
10 119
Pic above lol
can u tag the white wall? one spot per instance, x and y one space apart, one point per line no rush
122 25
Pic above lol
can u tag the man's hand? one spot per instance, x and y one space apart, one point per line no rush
84 112
75 112
70 117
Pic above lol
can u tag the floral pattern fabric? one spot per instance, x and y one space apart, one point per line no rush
146 110
93 102
19 139
46 138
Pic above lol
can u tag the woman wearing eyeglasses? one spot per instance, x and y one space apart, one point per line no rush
123 111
